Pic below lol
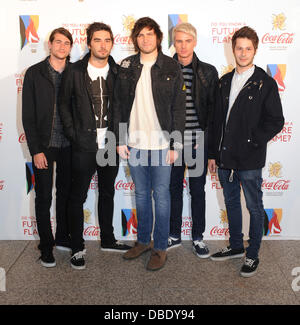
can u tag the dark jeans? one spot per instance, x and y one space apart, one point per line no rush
43 199
84 166
251 181
197 192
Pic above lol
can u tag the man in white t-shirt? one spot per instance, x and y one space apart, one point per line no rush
85 107
150 98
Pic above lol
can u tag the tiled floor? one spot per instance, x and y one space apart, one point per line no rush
185 280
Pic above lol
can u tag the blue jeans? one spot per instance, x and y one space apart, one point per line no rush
197 192
251 181
150 172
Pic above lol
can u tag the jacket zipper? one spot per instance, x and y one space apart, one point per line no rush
220 143
101 108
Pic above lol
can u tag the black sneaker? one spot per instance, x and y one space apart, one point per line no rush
77 260
115 247
249 268
173 242
227 253
200 249
47 259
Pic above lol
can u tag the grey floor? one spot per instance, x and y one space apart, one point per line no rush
185 280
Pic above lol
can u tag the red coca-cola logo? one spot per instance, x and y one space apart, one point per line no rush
218 231
122 39
284 38
91 231
280 185
22 138
126 186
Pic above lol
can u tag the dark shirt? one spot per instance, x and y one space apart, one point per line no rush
58 139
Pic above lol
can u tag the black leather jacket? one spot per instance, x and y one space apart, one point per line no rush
167 88
204 88
255 118
76 107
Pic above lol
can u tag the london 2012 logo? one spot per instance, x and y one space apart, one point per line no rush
278 72
30 178
129 222
173 20
273 219
29 25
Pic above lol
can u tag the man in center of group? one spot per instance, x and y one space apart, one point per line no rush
200 80
150 96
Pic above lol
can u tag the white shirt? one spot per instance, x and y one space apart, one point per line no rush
144 129
94 73
237 83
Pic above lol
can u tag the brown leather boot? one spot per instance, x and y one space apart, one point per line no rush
137 250
157 260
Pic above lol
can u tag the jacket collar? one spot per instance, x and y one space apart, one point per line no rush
111 62
44 66
194 62
159 61
256 76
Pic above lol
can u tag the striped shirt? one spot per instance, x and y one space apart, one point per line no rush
192 126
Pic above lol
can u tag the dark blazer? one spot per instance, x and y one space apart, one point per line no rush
255 118
38 106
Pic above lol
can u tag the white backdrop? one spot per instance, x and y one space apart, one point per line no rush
25 28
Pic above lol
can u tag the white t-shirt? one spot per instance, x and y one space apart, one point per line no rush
144 129
94 74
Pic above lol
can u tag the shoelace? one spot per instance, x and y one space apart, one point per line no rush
200 243
249 262
79 254
225 250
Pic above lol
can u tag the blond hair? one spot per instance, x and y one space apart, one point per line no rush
185 28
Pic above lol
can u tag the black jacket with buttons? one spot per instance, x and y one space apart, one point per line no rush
255 118
38 106
168 94
76 107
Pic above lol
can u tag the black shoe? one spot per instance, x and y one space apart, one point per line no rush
249 268
77 260
115 247
227 253
173 242
47 259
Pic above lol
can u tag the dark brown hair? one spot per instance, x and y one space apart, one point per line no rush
149 23
246 32
95 27
63 31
